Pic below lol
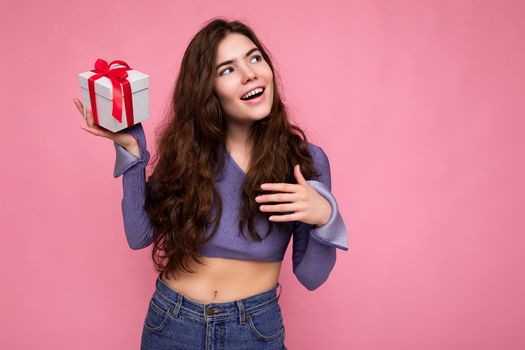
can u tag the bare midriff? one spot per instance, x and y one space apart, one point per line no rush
222 280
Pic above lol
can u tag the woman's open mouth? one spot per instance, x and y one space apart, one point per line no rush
255 97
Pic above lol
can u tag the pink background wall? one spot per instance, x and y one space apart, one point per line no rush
418 104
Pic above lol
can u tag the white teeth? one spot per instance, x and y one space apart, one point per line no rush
253 92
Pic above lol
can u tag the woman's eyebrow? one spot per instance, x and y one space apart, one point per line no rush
231 61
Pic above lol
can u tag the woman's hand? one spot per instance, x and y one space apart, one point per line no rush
304 201
121 137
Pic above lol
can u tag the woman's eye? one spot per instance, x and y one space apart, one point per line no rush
259 58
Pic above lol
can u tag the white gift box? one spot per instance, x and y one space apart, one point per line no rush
139 83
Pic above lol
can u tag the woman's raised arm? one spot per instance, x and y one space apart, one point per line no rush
131 160
137 226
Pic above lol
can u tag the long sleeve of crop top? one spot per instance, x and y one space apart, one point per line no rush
137 226
314 248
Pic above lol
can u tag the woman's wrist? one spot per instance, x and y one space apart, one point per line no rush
129 142
133 148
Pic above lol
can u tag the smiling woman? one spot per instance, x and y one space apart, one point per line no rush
244 85
218 236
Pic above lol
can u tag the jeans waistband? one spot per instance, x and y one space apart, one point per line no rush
215 311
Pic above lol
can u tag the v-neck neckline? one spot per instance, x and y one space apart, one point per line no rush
234 162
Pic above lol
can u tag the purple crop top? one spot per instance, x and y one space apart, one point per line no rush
314 249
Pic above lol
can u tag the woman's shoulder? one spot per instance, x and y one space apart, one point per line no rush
321 164
317 153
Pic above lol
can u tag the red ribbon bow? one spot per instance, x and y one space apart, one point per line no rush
118 77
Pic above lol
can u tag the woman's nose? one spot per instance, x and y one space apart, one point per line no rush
247 73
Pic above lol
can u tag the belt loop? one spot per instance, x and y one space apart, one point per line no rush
280 290
177 306
242 316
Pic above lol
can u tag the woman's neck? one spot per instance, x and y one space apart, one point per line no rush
237 139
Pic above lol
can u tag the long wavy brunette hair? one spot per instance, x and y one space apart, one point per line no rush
180 193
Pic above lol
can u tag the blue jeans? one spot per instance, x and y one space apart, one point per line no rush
175 322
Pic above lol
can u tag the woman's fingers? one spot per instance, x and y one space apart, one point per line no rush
79 107
89 117
89 114
90 126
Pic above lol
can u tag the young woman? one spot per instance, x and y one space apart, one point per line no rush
219 235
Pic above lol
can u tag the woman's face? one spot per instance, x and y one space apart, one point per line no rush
246 71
